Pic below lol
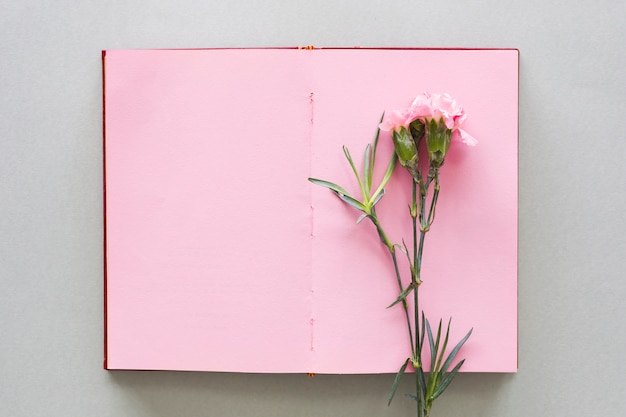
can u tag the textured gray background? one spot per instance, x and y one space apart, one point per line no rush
572 290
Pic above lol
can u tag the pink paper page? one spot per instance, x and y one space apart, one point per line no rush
470 259
222 257
207 211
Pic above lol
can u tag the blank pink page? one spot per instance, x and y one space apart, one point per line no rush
221 256
208 244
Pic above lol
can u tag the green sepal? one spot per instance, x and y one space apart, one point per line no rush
405 148
438 138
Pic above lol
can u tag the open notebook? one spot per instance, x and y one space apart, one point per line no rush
221 256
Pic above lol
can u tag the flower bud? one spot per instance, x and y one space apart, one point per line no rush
438 138
406 149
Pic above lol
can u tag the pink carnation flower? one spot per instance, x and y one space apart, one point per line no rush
428 107
441 107
437 106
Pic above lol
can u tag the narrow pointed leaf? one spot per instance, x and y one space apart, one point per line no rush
400 248
361 217
445 345
411 397
330 185
439 333
431 343
356 173
446 381
406 252
368 168
375 144
351 200
372 157
456 349
387 176
396 381
423 334
378 197
402 296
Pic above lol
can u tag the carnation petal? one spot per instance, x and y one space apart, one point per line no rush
466 138
421 107
394 120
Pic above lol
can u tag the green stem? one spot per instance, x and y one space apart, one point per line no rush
381 233
414 218
431 213
420 408
415 276
425 217
392 252
425 222
404 303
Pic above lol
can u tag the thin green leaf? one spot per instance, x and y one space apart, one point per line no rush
361 217
356 173
445 345
400 248
402 295
432 375
446 381
411 397
438 336
351 200
375 144
368 168
431 343
330 185
377 198
456 349
406 252
374 147
434 346
387 176
396 381
423 334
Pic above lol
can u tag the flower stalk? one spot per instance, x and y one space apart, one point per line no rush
432 121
